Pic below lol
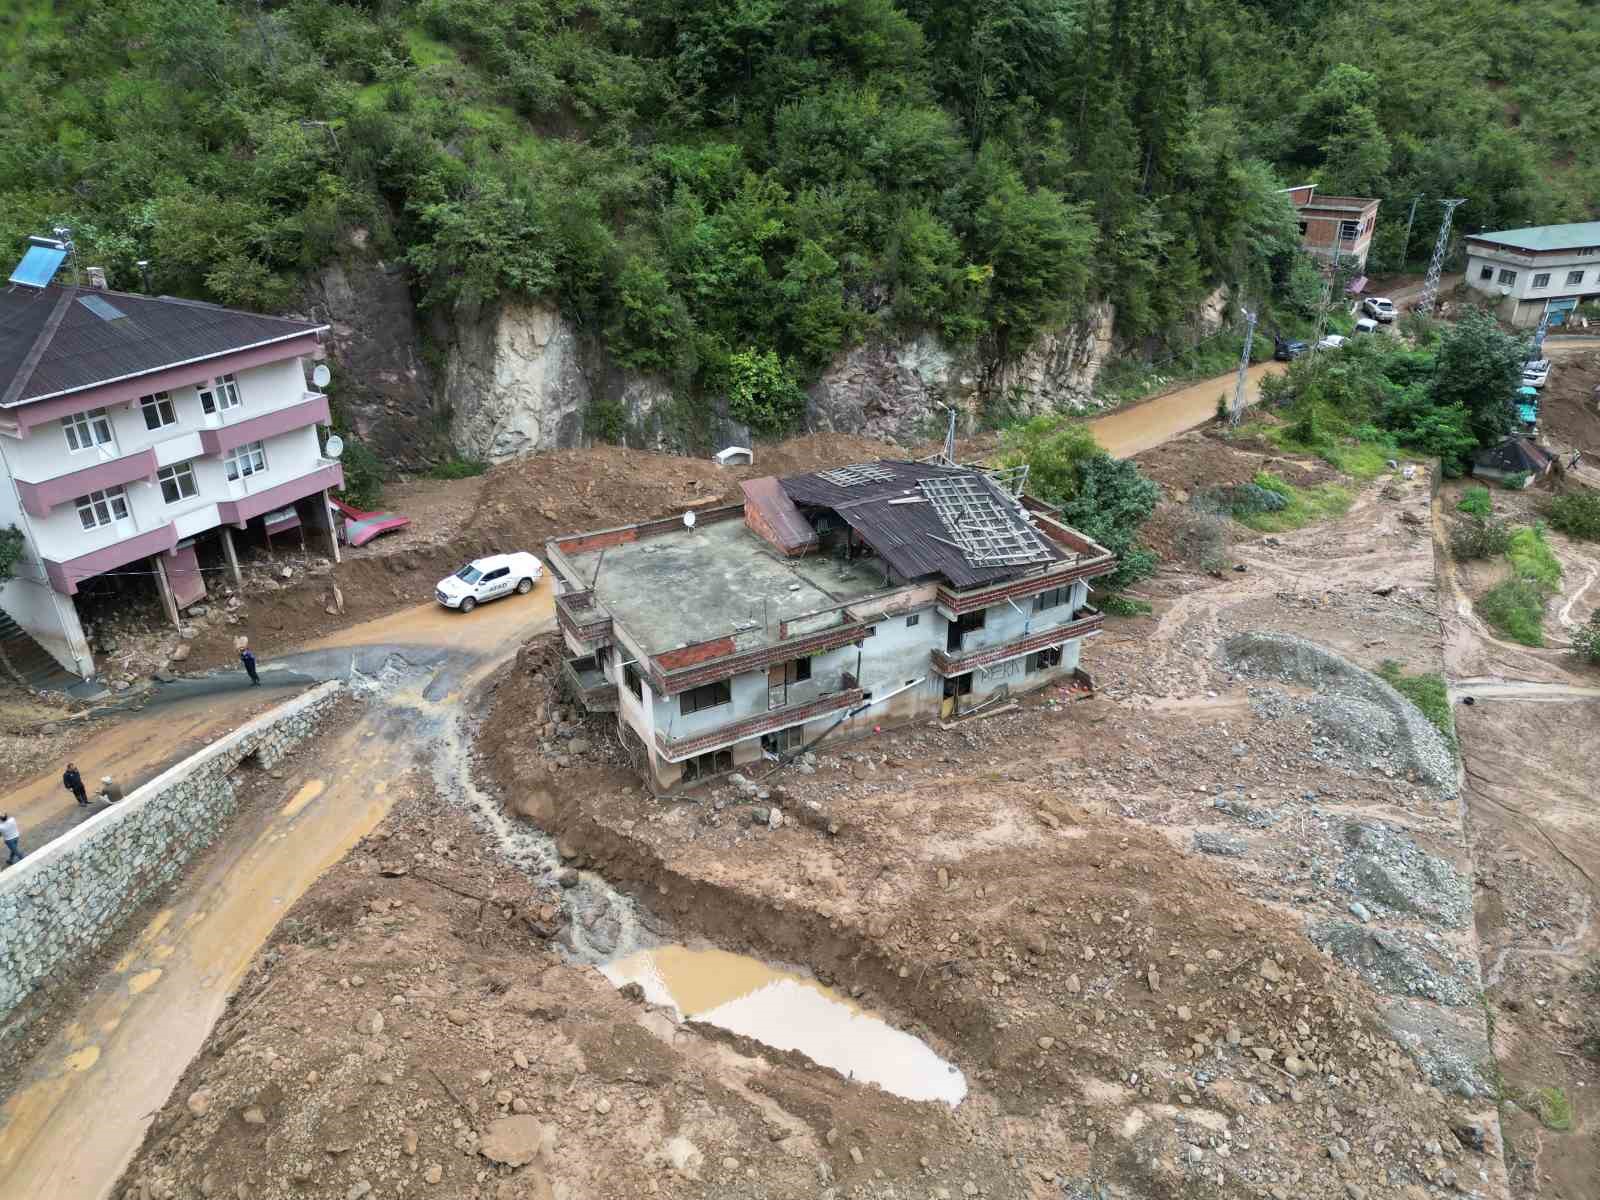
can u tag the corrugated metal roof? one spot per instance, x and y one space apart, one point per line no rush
1515 454
778 513
48 347
1547 237
909 537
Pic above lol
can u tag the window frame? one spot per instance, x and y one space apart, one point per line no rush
913 619
225 387
1349 231
244 461
1574 278
106 501
158 405
1537 285
1486 273
175 475
1058 596
707 696
634 681
1507 277
93 421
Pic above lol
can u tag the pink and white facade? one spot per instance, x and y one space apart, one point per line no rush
129 473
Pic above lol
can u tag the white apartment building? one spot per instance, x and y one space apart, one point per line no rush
134 429
1527 270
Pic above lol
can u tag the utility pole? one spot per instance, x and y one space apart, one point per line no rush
1430 286
1405 246
950 437
1237 410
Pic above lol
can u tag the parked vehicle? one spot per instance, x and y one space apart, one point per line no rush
1536 373
1288 351
1366 325
1332 342
1380 308
489 578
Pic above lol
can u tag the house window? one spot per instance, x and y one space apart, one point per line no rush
1486 274
1574 278
913 619
1044 660
1349 230
1509 278
635 684
1303 228
708 695
1542 280
703 766
797 671
102 508
220 394
1053 598
87 430
956 630
177 482
784 739
157 410
246 460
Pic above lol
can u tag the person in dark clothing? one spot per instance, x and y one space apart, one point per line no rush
249 661
73 782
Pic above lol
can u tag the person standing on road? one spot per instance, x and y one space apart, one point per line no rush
249 661
12 837
73 782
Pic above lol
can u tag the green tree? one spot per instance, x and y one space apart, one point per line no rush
762 393
1479 368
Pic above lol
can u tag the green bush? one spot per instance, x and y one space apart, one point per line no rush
12 544
1586 645
1302 506
1479 538
1532 559
1576 514
1122 606
457 468
1515 607
1428 692
1475 502
761 392
364 475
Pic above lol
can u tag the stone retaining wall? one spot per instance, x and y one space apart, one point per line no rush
64 902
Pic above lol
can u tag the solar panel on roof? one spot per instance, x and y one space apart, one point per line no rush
38 266
103 309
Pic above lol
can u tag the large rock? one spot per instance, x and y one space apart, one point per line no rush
517 1141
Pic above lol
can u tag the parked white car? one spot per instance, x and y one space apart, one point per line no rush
1536 374
1379 307
488 579
1366 325
1332 342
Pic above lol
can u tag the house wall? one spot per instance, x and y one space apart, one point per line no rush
1524 303
47 616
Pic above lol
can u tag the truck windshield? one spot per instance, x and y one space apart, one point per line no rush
469 574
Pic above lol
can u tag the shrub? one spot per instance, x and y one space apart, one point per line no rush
1428 692
1576 515
364 475
1532 559
458 468
761 392
1478 538
1302 506
1586 645
1515 608
1122 606
12 543
1475 502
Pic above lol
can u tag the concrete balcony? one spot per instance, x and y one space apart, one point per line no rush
583 620
678 749
959 662
312 410
593 689
39 498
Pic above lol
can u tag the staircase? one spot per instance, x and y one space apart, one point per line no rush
31 661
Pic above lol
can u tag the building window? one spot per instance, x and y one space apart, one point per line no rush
1349 230
784 739
177 482
157 410
1509 278
1303 228
246 460
87 430
1486 274
913 619
958 629
102 508
1053 598
1542 280
797 671
635 684
1574 278
708 695
703 766
220 395
1044 660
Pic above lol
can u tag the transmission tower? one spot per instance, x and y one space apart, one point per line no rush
1237 409
1544 328
1430 286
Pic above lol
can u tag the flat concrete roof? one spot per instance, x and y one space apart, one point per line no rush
689 586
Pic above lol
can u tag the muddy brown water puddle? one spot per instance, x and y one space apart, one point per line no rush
787 1011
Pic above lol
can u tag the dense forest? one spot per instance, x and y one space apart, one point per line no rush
730 191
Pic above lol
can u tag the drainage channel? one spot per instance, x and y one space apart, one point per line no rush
779 1008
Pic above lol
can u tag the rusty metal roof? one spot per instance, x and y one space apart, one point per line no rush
778 513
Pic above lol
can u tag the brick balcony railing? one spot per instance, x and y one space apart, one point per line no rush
580 614
678 749
1085 620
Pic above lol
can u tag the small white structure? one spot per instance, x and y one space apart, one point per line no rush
734 456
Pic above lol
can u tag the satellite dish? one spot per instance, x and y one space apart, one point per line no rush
335 446
688 520
320 375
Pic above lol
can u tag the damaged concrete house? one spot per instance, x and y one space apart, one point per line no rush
138 435
825 603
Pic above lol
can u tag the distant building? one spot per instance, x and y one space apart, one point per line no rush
137 429
825 603
1527 269
1335 226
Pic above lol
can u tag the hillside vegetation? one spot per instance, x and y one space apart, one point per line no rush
731 191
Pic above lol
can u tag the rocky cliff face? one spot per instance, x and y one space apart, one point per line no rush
898 390
381 384
521 378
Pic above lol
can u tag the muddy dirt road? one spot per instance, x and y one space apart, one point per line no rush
1130 431
78 1115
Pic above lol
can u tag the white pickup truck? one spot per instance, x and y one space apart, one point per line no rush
488 579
